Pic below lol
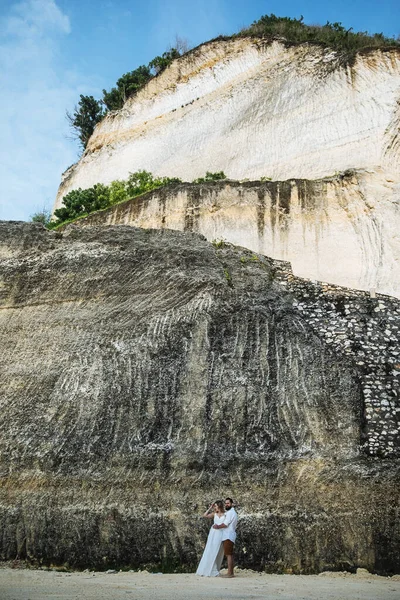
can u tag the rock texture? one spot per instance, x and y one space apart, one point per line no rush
145 372
299 115
344 229
253 109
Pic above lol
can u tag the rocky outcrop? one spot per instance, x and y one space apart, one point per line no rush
253 109
299 115
342 229
145 372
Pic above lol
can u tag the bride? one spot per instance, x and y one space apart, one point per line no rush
213 554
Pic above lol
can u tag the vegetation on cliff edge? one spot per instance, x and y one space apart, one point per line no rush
333 35
79 203
90 111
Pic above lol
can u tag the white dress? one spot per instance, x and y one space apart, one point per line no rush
213 554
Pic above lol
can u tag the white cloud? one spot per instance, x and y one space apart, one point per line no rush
36 91
35 18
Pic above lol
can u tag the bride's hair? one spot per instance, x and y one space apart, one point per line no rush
220 505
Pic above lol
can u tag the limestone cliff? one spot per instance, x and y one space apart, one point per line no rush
145 372
255 109
342 229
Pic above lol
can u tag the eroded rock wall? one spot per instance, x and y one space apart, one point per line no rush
145 372
299 115
342 230
252 109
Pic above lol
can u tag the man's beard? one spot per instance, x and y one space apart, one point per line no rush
228 507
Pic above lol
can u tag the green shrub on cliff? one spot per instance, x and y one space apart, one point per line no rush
211 177
85 117
130 83
90 111
160 63
143 181
79 203
117 191
333 35
42 216
126 86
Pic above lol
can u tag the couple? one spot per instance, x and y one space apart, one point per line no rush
221 539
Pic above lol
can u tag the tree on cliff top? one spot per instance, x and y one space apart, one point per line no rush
127 85
160 63
85 117
90 111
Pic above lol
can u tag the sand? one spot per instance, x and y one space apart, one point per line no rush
27 584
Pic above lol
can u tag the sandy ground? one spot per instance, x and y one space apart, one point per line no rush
17 584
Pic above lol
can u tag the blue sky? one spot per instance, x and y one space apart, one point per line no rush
53 50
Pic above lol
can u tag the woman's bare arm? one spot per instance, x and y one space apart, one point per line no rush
209 514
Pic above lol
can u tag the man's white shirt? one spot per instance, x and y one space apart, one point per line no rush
229 532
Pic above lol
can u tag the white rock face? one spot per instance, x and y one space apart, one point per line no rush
252 110
256 110
342 230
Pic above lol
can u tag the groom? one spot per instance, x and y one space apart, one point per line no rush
229 534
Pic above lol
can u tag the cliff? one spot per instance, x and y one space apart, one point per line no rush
145 372
342 229
255 109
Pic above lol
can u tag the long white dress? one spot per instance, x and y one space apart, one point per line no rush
213 554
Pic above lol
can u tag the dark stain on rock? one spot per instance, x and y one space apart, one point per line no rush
162 203
273 192
285 191
303 193
192 212
260 211
310 193
280 194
